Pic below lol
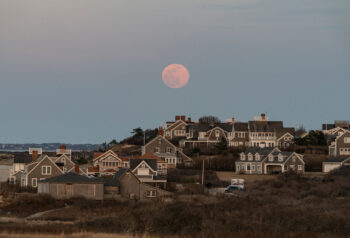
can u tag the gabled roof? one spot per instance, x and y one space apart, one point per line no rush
265 126
152 163
71 178
261 151
240 126
150 156
22 159
175 125
109 152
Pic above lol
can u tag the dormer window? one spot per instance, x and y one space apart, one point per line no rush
270 157
280 157
217 133
250 156
257 157
242 156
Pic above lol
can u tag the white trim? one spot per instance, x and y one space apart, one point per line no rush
143 162
46 157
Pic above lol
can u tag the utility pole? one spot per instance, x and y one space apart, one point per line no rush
144 137
203 173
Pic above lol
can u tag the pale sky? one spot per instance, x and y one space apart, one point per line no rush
88 71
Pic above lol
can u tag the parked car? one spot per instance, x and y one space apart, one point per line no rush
232 188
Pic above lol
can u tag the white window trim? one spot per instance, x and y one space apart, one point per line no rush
36 182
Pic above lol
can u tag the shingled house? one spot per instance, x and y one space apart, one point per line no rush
341 145
269 160
148 171
107 163
168 152
72 185
125 184
335 163
261 132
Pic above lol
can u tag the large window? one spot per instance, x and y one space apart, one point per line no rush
12 180
151 193
34 182
46 170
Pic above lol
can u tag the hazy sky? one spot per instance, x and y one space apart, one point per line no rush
90 71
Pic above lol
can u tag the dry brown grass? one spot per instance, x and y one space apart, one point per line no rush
287 206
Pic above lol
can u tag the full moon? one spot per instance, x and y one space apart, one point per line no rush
175 76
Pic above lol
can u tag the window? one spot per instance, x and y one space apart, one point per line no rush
280 157
167 133
270 157
257 156
250 157
151 193
156 149
347 140
34 182
46 170
168 149
300 167
237 168
253 167
293 160
242 156
217 133
12 180
258 167
292 166
248 167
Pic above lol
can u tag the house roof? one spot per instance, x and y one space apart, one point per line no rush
151 162
71 178
22 159
93 169
151 156
265 126
115 180
240 126
261 151
336 160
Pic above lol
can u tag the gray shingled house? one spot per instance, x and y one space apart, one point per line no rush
125 184
72 185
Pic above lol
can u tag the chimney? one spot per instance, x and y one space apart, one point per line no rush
35 155
263 116
63 147
183 118
76 169
211 124
177 118
189 119
160 131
